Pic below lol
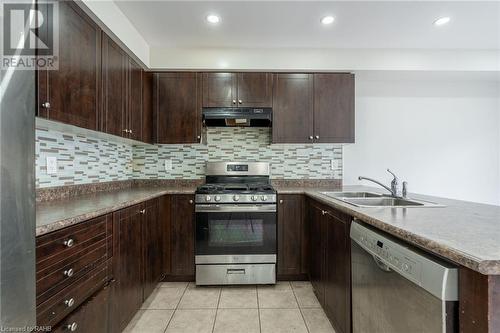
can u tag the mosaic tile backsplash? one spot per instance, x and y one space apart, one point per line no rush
80 159
83 160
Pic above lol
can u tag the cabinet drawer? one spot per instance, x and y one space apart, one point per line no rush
68 242
64 302
56 277
90 317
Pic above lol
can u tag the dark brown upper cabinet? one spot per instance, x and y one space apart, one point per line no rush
147 107
177 108
237 89
334 108
114 88
134 99
121 92
219 89
293 108
71 93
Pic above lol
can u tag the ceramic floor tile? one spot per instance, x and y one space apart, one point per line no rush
182 285
192 321
242 297
149 321
200 298
277 299
163 298
316 321
282 321
306 297
301 284
237 320
280 285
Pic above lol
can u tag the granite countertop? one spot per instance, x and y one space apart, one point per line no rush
466 233
57 214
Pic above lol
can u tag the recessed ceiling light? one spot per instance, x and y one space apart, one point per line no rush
442 21
327 20
214 19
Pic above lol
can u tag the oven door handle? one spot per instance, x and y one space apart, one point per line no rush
268 208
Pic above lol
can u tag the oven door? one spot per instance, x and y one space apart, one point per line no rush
229 233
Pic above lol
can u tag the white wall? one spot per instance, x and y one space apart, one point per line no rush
109 13
442 136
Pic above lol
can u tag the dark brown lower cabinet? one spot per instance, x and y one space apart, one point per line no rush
292 238
128 291
152 237
182 237
91 316
330 263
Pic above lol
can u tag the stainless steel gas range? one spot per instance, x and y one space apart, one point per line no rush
236 225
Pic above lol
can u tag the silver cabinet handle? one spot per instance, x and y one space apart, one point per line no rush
199 138
69 302
142 211
46 105
190 201
323 212
281 201
317 137
234 101
130 131
125 130
69 272
310 137
240 101
72 327
69 242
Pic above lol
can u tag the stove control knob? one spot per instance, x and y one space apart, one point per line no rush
208 198
236 197
254 198
217 198
263 198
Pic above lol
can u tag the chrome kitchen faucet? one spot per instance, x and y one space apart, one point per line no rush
395 189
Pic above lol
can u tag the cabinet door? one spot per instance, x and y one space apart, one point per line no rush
73 90
114 84
147 107
152 231
219 89
317 253
128 289
290 236
338 271
177 108
164 214
182 236
293 108
334 108
255 90
134 100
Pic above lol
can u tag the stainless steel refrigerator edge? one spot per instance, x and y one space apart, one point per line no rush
17 199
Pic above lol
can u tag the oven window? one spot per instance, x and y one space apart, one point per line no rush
236 233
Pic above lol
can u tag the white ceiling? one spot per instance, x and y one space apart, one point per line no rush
295 24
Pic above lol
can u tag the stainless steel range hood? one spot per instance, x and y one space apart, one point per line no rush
237 117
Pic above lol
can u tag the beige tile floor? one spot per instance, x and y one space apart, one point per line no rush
181 307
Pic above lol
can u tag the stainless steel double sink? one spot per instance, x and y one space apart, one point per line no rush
371 199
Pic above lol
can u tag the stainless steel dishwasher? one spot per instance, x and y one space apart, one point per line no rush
399 289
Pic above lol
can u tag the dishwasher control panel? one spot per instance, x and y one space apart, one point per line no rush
437 276
391 256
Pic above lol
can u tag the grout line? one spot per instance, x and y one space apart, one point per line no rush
175 309
217 309
300 309
258 308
